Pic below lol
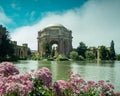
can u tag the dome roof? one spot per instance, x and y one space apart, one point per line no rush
58 25
53 26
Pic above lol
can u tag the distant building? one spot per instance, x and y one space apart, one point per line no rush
96 51
21 51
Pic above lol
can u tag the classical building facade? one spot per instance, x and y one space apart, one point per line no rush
55 34
20 51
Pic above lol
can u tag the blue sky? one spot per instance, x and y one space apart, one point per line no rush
28 12
95 22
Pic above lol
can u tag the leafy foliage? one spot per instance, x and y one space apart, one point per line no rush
103 53
6 46
90 55
118 56
62 58
81 49
112 51
74 55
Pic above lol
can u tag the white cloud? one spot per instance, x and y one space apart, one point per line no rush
3 18
96 23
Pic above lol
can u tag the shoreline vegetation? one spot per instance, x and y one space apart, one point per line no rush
39 83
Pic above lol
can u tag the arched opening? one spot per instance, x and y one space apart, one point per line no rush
54 48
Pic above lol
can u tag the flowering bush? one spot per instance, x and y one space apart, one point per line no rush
45 76
7 68
18 85
60 87
40 84
79 86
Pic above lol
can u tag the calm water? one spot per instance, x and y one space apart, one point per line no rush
89 71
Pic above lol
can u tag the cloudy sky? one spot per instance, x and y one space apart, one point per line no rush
94 22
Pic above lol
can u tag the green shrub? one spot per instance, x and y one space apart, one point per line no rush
74 55
50 59
81 58
118 56
62 58
90 55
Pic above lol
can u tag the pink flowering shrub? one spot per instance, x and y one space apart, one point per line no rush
18 85
40 84
45 75
13 84
7 68
60 87
79 86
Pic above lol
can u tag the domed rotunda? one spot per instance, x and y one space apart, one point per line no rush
55 34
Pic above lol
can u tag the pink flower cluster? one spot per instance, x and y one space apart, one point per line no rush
7 68
19 84
45 75
59 87
10 83
77 86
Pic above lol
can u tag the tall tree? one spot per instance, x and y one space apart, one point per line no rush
103 53
81 49
6 46
112 51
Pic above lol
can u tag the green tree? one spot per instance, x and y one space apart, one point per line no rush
90 55
81 49
6 46
74 55
118 56
112 51
103 53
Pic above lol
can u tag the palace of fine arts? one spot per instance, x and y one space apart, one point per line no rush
55 34
59 47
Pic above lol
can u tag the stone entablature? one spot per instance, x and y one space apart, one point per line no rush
57 34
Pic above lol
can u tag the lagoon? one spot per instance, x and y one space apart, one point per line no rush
106 70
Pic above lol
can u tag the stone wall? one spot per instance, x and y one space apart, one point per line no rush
20 51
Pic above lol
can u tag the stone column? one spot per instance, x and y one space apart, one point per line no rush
61 43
